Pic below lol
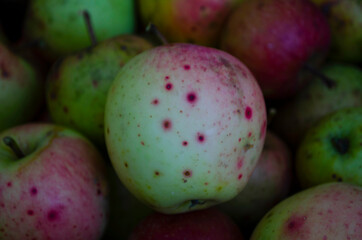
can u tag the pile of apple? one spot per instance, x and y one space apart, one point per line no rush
180 119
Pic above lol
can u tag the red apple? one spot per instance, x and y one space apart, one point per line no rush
52 185
277 39
210 224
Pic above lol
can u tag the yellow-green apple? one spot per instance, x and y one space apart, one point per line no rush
125 210
184 126
210 224
52 184
192 21
21 90
327 211
332 150
77 86
60 29
345 20
269 183
318 99
276 39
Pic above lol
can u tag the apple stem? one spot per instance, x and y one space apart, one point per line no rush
90 29
326 80
11 143
153 29
340 144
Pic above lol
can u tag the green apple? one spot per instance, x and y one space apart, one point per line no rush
318 99
21 90
185 125
52 184
269 183
192 21
345 20
331 150
77 86
327 211
60 29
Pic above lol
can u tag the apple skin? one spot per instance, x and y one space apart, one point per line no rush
209 224
327 211
185 125
317 100
283 36
58 190
345 20
193 21
21 90
60 27
331 150
269 184
77 86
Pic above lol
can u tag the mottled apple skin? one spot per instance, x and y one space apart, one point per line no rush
60 29
20 90
192 21
275 38
269 184
185 125
328 211
77 86
58 191
345 20
332 150
210 224
318 99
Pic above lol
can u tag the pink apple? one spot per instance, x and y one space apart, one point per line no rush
52 187
277 39
210 224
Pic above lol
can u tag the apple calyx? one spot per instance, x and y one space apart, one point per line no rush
13 145
88 22
340 144
330 83
151 28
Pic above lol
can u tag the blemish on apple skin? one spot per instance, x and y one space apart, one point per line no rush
240 176
167 78
155 101
187 173
30 212
9 184
187 67
52 215
126 165
157 173
240 163
295 223
191 97
142 143
200 137
33 191
185 143
168 86
167 124
248 113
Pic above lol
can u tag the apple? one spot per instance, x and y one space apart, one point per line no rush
193 21
327 211
125 210
269 183
331 150
277 39
345 20
318 99
210 224
60 29
184 126
52 184
21 90
77 86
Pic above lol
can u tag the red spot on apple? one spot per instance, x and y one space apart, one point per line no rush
9 184
142 143
248 113
249 134
167 124
185 143
30 212
187 67
53 215
168 86
239 140
157 173
200 137
155 101
167 78
240 163
187 173
191 97
33 191
295 223
240 176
